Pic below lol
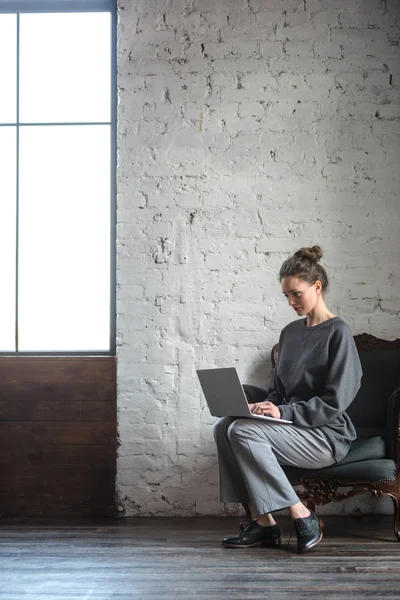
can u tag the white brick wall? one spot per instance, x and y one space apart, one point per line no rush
246 130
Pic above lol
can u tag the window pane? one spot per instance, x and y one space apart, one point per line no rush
7 237
64 256
8 68
65 67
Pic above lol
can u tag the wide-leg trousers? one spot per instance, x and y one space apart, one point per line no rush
250 455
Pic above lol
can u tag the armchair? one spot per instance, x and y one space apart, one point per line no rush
372 465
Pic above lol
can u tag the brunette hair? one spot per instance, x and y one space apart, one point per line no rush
304 265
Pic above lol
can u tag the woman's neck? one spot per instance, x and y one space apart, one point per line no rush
317 317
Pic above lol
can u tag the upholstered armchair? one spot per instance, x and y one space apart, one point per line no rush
372 465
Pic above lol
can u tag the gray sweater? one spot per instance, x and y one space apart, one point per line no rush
317 376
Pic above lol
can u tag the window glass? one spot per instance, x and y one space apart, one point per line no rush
7 237
8 68
64 233
65 67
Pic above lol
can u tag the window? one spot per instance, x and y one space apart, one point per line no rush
57 183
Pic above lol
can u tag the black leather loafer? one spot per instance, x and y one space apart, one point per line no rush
308 531
252 534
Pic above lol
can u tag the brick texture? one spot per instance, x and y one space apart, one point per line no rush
247 129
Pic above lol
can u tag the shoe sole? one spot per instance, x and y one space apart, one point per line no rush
270 544
311 546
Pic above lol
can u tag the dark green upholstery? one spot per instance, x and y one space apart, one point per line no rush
381 376
366 458
366 449
365 470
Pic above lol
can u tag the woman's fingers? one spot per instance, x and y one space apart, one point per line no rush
265 408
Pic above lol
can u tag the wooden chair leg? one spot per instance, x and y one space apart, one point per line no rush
396 503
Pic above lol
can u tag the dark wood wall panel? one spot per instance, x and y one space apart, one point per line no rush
57 436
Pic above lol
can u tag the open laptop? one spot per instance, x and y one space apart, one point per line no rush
225 396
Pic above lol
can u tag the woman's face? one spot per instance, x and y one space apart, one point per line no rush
302 296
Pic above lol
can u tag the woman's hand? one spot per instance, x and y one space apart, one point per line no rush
265 408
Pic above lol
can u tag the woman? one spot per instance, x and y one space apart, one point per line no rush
317 376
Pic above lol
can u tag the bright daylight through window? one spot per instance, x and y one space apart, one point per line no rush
56 184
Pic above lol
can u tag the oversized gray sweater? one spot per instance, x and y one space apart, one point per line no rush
317 376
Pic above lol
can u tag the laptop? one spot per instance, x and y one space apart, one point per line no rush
225 395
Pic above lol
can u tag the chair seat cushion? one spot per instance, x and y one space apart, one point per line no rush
372 470
367 449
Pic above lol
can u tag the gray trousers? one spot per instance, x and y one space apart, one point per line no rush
250 455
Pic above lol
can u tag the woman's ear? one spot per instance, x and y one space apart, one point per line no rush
318 286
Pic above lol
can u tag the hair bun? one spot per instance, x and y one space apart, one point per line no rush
314 254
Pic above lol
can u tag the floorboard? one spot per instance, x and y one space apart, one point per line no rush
168 559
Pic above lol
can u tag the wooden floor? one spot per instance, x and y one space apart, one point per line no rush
171 559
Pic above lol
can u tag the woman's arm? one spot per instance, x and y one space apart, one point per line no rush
342 385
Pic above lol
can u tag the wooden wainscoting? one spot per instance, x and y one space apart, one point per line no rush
57 436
